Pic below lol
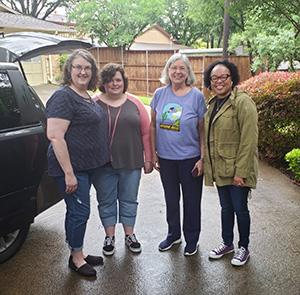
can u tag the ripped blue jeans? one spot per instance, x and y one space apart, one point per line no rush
78 209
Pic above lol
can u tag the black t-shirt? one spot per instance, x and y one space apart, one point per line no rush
87 135
218 105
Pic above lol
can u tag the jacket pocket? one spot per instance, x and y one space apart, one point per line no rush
227 156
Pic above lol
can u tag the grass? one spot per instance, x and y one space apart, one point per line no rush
145 99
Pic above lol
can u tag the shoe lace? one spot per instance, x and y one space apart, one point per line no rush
240 253
132 238
221 248
109 241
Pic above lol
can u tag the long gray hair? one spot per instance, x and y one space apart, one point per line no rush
165 79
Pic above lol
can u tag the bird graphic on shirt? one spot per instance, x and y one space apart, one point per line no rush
174 113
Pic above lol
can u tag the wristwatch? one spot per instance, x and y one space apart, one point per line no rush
202 160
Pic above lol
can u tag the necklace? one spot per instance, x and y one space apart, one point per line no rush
88 99
219 105
82 93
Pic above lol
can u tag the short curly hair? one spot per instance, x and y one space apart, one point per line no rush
108 72
234 72
67 79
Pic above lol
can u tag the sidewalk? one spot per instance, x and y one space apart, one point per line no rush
44 91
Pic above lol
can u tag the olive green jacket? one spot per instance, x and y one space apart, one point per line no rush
231 144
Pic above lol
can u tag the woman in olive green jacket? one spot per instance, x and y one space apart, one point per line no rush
231 156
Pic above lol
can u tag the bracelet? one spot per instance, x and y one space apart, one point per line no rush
202 160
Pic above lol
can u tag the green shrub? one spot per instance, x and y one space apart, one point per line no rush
58 77
293 158
277 97
62 60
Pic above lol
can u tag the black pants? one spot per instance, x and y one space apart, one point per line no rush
176 173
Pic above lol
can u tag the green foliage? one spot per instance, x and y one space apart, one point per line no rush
211 28
114 22
269 10
277 97
58 77
118 22
177 22
271 42
62 60
199 44
293 158
210 15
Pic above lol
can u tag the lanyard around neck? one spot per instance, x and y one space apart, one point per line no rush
111 131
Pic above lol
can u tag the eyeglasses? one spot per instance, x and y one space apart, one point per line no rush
80 68
182 69
222 78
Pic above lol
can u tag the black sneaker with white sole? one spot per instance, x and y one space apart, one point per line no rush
109 246
132 243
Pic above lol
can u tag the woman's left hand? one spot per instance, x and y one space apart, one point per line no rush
148 167
200 166
238 181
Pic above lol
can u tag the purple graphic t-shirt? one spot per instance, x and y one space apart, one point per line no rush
177 117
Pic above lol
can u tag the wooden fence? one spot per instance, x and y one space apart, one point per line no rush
144 67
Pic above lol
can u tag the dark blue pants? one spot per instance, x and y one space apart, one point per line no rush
234 199
174 173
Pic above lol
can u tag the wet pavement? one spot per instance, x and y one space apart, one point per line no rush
40 267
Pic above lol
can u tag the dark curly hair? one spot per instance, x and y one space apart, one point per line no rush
108 72
67 80
234 72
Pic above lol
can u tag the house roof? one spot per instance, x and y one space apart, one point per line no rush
163 31
12 21
156 38
4 8
153 46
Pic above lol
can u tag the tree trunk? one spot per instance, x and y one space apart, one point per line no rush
225 31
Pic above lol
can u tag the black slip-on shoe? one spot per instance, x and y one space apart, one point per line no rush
93 260
85 270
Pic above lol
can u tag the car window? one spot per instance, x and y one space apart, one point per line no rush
10 116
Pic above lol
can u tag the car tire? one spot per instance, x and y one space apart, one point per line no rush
12 242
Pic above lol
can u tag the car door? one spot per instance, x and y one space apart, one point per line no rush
23 146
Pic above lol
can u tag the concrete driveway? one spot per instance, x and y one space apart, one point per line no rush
40 267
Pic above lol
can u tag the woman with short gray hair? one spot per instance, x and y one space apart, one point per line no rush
190 78
177 142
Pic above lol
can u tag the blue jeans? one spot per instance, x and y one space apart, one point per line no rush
115 186
234 199
176 173
78 209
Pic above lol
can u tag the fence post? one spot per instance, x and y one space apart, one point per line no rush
203 69
98 58
122 56
147 73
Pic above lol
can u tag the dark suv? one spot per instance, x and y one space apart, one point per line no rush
26 190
